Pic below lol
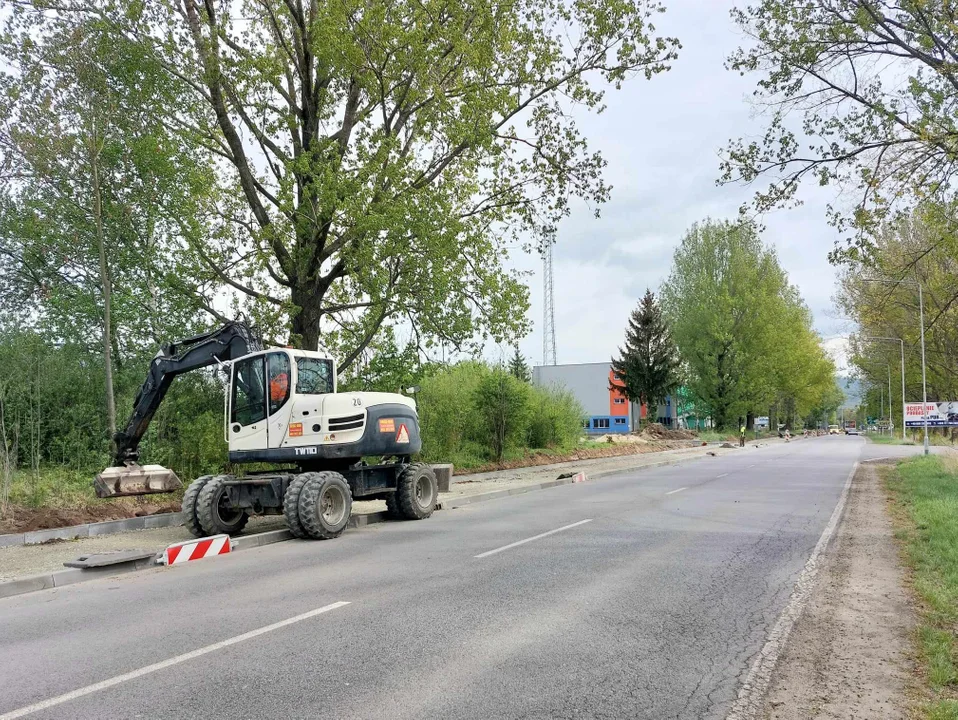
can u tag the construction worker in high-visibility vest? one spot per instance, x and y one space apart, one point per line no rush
741 436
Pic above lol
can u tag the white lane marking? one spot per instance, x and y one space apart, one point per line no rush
104 684
752 694
721 476
523 542
672 492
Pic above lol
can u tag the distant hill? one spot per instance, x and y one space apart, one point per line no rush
852 389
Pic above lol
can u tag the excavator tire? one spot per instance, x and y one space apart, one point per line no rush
392 506
213 516
417 491
190 520
325 505
291 504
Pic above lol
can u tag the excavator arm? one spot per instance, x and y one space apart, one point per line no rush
126 476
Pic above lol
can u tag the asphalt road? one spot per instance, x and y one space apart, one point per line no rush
648 595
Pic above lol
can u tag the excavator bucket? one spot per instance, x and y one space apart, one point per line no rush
135 480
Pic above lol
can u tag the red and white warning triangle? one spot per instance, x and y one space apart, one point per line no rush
403 435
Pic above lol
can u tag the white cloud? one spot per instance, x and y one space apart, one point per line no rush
662 139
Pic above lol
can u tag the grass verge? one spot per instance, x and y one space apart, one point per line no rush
924 493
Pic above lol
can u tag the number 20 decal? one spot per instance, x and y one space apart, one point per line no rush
357 401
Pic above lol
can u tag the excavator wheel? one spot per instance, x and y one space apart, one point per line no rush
417 492
213 510
392 506
291 504
325 505
190 520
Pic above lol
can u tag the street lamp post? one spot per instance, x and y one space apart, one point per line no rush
921 326
902 346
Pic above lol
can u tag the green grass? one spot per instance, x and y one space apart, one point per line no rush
926 489
52 487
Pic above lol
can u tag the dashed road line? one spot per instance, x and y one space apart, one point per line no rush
162 665
672 492
527 540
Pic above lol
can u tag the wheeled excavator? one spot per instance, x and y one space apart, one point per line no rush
282 410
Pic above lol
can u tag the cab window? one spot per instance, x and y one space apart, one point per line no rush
277 366
314 376
249 394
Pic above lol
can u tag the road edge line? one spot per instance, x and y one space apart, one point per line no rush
751 695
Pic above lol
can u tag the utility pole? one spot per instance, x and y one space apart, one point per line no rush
921 325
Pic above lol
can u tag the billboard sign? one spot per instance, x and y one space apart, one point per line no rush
940 414
761 421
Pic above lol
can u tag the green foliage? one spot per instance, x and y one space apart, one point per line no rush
448 421
384 154
518 367
743 332
470 414
649 362
927 487
922 248
54 417
502 403
872 87
384 366
554 418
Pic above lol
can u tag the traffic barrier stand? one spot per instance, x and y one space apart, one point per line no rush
579 477
182 552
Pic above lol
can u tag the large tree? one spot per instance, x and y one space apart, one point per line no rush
387 152
920 247
861 93
649 362
91 185
741 328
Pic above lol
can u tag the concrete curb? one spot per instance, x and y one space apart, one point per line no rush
60 578
72 532
70 576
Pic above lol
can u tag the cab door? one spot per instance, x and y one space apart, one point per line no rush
279 377
248 423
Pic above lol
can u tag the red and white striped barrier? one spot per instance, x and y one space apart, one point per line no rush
578 477
196 549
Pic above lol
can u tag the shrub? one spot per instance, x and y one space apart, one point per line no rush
555 418
502 404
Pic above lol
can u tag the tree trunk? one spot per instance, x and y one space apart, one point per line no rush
750 420
106 287
305 323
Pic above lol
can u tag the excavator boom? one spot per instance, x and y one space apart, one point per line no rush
127 476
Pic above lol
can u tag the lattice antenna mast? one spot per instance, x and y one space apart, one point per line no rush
548 309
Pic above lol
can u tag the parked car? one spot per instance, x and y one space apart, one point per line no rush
834 430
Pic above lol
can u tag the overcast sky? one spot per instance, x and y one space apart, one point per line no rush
661 139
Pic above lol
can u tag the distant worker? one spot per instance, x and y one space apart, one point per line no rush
741 436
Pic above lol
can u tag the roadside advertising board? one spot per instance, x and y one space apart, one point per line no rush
940 414
761 421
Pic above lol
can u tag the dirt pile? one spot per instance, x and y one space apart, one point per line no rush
20 519
657 431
